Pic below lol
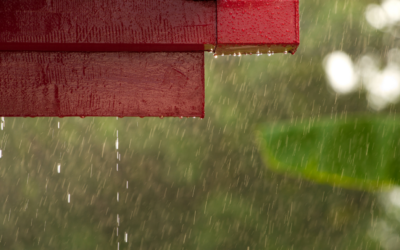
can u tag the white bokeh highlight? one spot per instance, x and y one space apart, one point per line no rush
386 14
382 85
340 72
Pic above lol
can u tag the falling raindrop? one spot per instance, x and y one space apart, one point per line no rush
239 54
126 184
118 219
285 52
269 53
116 167
118 196
58 125
59 168
1 155
69 198
116 143
215 56
126 237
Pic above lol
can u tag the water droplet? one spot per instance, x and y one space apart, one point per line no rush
118 219
126 237
269 53
58 125
285 52
59 168
215 56
116 144
117 196
116 167
69 198
1 155
126 184
239 54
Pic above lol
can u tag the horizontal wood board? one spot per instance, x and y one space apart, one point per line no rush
101 84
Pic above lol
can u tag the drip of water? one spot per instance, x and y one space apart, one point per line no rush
59 168
126 184
69 198
117 196
1 155
116 143
126 237
58 124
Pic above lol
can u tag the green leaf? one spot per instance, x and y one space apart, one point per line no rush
359 153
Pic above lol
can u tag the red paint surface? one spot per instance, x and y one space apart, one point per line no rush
243 23
38 82
107 25
101 84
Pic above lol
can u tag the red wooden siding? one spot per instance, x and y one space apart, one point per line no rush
128 57
101 84
251 26
107 25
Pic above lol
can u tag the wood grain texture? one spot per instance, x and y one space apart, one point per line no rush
248 26
107 25
101 84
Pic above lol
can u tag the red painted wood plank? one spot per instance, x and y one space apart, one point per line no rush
101 84
250 26
107 25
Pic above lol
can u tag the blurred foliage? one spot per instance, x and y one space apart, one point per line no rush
359 153
197 184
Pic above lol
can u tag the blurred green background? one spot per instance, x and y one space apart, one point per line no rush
203 184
